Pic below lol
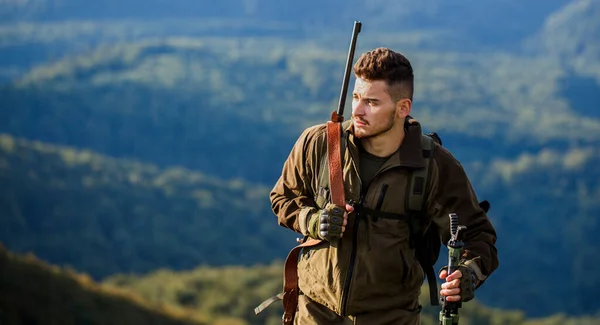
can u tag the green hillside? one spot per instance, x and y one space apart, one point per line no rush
34 292
106 216
493 23
231 109
235 291
134 144
297 84
121 216
188 102
572 35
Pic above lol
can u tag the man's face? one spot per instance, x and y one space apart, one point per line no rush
373 110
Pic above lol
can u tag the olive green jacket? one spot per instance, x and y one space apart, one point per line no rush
372 267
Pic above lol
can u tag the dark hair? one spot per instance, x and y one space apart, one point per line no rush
389 66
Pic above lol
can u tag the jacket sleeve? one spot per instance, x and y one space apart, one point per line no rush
453 193
292 197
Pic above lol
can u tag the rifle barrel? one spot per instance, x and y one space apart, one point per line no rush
355 31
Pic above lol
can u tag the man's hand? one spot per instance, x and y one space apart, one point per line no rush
329 223
457 288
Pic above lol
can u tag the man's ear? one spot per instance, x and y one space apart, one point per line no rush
403 107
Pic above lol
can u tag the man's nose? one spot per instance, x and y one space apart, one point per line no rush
358 107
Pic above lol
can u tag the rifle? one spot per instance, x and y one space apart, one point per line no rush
339 115
449 312
334 130
289 296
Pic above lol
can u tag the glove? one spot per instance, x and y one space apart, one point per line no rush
467 282
326 224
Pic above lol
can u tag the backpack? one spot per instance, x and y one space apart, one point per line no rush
424 236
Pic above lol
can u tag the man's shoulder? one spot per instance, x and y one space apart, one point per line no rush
314 132
444 158
317 128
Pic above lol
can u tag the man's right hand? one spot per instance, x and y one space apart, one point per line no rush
329 223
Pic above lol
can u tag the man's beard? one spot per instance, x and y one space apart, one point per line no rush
385 129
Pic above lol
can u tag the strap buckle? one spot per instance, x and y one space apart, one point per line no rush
287 317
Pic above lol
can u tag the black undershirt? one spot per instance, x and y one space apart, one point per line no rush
369 165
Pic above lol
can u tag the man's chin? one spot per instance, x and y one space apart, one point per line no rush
360 134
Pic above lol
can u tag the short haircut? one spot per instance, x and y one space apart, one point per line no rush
389 66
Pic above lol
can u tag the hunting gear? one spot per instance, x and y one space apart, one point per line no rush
449 314
373 208
327 224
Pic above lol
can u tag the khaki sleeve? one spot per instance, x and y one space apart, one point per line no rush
453 193
292 197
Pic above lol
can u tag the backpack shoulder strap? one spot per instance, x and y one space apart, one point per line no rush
418 184
416 196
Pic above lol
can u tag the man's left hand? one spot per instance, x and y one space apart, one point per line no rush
457 288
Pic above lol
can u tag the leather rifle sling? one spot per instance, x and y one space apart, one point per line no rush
290 284
336 184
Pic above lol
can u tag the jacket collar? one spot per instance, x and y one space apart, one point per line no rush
410 152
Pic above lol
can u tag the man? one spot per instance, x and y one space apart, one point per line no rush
364 271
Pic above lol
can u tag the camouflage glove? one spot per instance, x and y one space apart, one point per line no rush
467 282
326 224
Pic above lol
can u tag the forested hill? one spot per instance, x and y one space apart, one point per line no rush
271 85
132 144
106 216
34 292
491 22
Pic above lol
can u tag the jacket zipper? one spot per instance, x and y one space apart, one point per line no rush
384 188
352 255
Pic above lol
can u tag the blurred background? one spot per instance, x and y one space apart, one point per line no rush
139 141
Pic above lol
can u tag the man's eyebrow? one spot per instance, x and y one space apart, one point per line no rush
370 99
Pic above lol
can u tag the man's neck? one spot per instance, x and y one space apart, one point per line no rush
385 144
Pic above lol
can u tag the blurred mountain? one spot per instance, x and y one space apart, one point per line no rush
105 216
545 205
34 292
488 22
35 30
187 101
141 136
572 35
235 291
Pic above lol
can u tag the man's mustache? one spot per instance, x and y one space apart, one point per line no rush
360 120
